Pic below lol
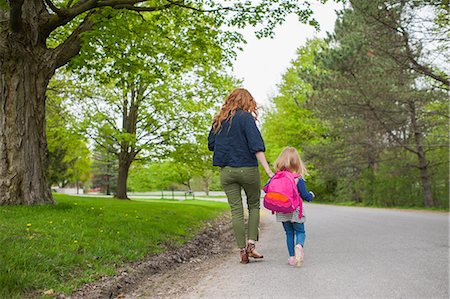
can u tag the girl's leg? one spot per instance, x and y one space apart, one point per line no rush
300 234
233 192
299 229
289 229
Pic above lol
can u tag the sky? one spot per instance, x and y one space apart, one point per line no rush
262 62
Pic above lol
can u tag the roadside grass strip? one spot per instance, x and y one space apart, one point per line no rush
56 248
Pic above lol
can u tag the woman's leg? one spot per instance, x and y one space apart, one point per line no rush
233 192
289 229
300 234
250 180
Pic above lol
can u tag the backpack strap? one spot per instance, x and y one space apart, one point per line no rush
296 177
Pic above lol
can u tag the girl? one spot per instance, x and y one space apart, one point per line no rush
237 146
290 160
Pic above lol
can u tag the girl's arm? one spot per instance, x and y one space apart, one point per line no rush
262 159
304 193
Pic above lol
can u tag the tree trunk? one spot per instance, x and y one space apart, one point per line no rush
423 162
206 179
108 190
127 151
26 66
23 82
372 158
207 186
124 167
425 180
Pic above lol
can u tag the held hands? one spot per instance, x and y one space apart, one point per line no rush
262 159
270 174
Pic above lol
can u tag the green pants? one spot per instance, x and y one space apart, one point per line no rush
233 180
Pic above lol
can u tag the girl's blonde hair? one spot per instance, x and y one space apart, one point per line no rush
238 98
289 159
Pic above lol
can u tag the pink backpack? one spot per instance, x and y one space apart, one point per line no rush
282 193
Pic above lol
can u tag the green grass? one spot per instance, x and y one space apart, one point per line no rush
79 239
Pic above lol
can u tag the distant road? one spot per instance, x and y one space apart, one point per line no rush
177 195
349 253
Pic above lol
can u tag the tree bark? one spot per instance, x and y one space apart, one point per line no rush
206 180
107 186
425 178
23 82
124 167
372 158
26 66
128 151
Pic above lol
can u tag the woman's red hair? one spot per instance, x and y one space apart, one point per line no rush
240 98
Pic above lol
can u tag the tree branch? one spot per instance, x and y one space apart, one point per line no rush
53 7
378 118
68 14
72 45
181 4
415 65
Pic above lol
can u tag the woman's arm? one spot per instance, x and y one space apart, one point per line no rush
262 159
211 140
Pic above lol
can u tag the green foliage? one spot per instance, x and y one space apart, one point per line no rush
147 89
68 158
376 107
79 239
4 5
174 70
197 158
158 176
104 171
361 118
291 114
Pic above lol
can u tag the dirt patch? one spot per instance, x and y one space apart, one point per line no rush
179 281
164 270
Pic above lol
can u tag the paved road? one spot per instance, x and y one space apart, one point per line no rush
349 253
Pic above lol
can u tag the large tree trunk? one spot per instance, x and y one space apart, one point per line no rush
127 149
25 70
26 66
124 167
23 82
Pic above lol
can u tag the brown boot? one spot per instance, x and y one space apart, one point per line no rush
244 256
251 251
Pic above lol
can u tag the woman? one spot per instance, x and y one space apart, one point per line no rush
237 146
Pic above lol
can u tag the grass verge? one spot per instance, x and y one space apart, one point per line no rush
59 247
